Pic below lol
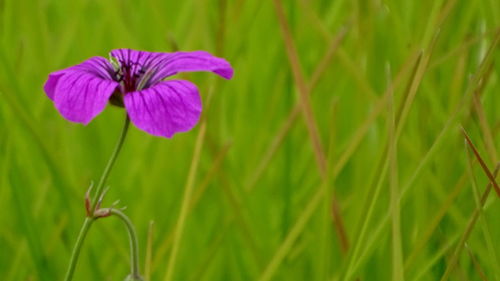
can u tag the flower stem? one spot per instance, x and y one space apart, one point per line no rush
134 244
78 246
98 193
109 166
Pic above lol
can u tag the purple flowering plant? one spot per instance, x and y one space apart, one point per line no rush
136 81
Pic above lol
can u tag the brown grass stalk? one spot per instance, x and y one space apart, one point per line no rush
309 116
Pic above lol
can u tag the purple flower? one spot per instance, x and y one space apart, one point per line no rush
135 80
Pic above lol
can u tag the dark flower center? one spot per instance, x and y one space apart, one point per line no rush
129 75
132 76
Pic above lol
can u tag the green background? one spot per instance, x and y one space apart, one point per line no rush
383 136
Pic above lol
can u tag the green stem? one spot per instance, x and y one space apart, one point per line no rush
111 162
100 187
78 246
134 245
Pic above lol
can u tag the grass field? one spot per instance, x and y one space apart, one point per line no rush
335 153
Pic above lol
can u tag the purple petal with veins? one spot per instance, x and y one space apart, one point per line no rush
162 65
82 91
166 108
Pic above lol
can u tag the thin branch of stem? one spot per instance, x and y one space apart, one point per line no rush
134 244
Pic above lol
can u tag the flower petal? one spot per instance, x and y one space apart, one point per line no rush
50 85
134 57
166 108
162 65
192 61
82 91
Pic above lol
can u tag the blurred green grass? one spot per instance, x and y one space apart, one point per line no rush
385 105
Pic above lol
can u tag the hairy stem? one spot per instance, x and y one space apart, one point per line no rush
98 193
100 186
78 246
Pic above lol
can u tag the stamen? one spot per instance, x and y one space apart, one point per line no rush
145 79
132 75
